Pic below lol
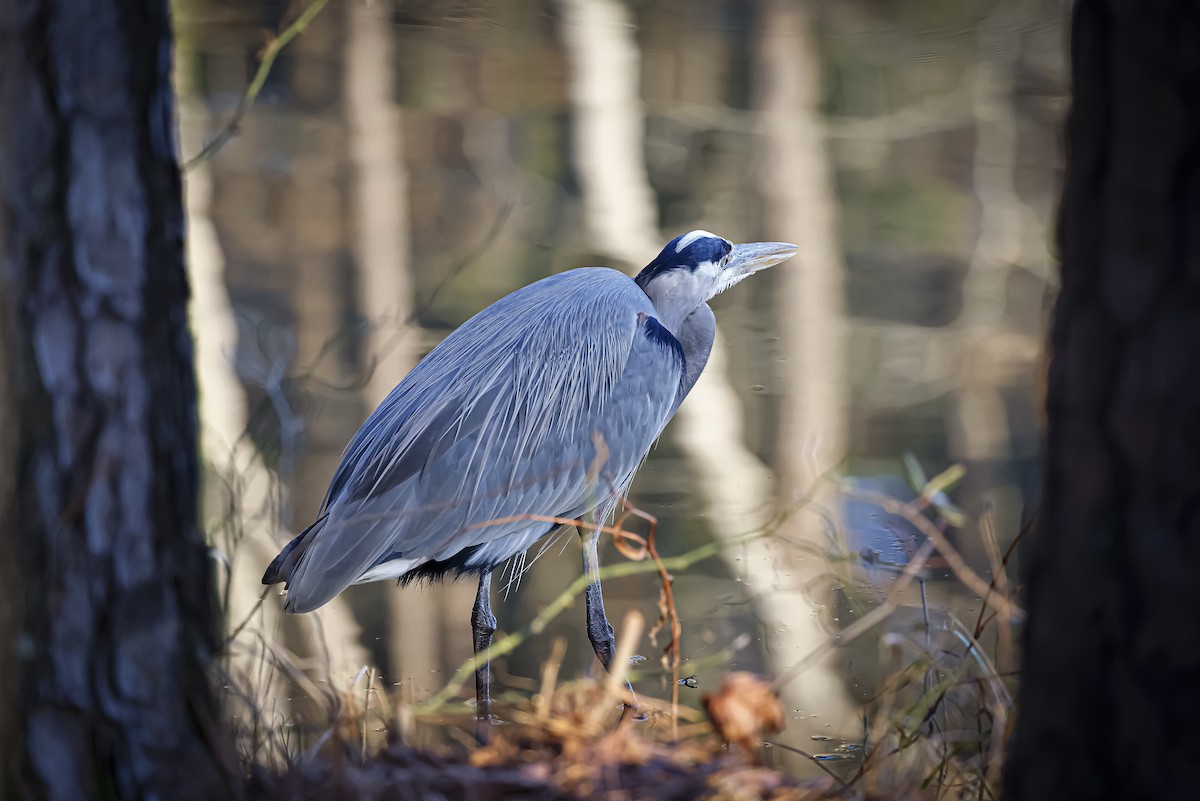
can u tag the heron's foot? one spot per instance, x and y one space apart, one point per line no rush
604 645
604 641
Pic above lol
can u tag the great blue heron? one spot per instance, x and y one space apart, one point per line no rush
503 422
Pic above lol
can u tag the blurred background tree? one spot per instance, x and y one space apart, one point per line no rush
407 163
937 124
106 608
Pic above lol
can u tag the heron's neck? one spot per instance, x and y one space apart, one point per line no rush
676 296
696 334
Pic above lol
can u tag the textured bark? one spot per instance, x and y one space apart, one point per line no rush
118 622
1111 685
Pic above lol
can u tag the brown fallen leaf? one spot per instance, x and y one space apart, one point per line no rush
743 709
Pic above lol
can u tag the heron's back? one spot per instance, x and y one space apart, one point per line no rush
541 405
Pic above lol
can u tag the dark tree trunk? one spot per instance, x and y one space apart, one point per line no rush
109 623
1111 685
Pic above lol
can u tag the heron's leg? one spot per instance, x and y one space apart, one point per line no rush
483 626
598 628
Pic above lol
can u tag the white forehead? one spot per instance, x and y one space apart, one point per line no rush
691 237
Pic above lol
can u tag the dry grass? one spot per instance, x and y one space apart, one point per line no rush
934 727
554 748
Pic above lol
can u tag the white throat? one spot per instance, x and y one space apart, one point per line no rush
678 293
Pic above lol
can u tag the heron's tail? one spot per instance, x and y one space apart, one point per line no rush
281 567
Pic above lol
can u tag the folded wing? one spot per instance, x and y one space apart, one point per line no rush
500 422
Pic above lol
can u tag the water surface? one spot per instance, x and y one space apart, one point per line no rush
408 163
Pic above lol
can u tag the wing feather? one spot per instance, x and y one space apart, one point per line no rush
496 422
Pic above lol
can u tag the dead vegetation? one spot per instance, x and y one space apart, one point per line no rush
555 749
932 728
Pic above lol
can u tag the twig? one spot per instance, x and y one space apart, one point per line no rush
631 634
566 598
842 783
550 678
871 619
465 261
980 621
668 611
366 712
999 584
959 565
271 52
249 616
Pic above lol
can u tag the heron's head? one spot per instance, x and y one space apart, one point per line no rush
697 266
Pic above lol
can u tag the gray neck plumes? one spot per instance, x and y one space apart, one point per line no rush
696 335
679 298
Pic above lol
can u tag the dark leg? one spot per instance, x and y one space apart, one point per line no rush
483 626
598 628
